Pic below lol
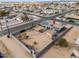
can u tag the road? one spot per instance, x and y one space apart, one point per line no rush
18 27
54 17
26 25
29 13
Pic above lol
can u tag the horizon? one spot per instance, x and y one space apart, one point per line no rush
38 0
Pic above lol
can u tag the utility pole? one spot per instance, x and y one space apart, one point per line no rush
1 26
7 28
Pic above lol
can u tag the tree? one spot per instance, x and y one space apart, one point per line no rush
23 17
24 36
62 42
3 12
56 4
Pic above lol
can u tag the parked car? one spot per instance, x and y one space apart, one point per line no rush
60 29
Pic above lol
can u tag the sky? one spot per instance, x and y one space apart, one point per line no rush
38 0
25 0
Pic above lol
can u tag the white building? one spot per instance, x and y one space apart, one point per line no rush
77 41
75 50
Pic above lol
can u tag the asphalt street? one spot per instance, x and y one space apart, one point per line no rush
26 25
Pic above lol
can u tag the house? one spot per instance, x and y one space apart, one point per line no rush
75 51
77 41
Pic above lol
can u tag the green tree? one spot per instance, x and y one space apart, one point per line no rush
3 12
62 42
